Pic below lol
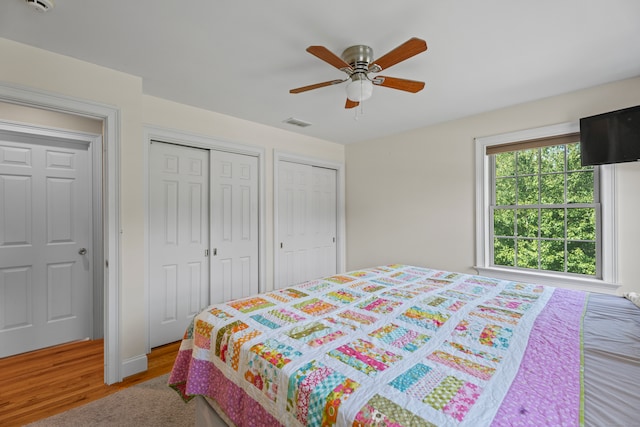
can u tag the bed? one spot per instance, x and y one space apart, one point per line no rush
401 345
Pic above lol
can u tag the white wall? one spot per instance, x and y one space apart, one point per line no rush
410 197
41 70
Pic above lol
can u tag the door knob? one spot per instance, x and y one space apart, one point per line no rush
82 251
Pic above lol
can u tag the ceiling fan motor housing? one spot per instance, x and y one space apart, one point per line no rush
358 56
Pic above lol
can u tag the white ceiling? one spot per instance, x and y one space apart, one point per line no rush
241 57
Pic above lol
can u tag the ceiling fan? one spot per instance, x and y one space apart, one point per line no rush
357 61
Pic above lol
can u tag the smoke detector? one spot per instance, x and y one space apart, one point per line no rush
41 5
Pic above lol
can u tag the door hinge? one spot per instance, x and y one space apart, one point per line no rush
215 251
206 252
281 245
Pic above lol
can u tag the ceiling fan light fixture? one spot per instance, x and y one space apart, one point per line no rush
359 89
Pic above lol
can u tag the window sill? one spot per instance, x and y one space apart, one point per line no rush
550 279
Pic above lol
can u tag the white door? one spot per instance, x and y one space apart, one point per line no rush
306 223
323 222
179 239
45 239
234 226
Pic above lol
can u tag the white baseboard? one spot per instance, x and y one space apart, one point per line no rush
134 365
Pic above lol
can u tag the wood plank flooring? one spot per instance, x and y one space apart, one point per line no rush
42 383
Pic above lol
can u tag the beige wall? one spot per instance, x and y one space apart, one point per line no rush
41 70
411 197
52 119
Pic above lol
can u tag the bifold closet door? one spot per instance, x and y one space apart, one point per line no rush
307 223
234 232
179 239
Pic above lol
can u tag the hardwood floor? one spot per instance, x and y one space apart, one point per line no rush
42 383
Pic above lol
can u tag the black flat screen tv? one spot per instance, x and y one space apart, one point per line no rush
612 137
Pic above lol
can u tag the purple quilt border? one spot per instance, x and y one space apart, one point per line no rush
547 387
192 377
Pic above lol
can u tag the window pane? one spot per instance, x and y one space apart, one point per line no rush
527 253
552 224
552 255
505 191
528 190
504 222
581 257
573 157
580 187
505 164
552 159
552 189
527 220
581 223
504 252
527 161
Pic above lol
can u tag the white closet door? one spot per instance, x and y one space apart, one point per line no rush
306 223
234 226
323 222
45 242
179 239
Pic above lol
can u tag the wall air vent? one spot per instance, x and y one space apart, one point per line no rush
296 122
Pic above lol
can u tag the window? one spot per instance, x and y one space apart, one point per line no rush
541 215
544 210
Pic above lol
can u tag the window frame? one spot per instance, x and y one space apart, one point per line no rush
484 248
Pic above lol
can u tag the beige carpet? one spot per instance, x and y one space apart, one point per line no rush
151 403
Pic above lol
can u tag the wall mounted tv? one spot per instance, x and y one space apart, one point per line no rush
612 137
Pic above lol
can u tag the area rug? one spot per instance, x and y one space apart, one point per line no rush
151 403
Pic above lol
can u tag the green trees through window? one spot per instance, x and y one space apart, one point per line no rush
544 210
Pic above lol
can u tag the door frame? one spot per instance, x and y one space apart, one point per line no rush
341 237
171 136
107 266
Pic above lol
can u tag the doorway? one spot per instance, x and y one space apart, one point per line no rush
106 239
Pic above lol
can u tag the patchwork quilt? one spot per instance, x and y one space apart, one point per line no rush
394 345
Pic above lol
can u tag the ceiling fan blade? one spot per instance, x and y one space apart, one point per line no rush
406 50
329 57
351 104
401 84
316 86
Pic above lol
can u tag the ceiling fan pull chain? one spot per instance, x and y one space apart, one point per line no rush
362 98
355 112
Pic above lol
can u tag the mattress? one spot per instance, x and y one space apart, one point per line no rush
410 346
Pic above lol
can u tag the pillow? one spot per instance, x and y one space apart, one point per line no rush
634 297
